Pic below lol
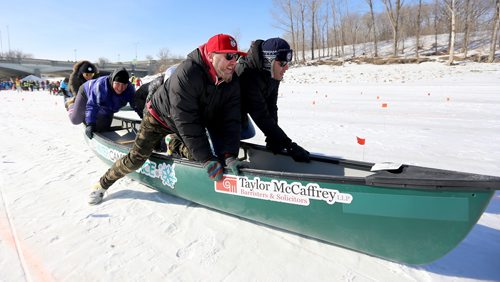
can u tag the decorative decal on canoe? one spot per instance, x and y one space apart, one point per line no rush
163 171
279 191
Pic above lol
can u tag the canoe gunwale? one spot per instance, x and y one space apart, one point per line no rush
407 177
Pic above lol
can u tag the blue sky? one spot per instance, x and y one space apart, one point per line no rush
116 30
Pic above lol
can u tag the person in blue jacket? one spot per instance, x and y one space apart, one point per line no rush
64 89
98 99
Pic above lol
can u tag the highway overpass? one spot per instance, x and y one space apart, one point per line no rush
21 67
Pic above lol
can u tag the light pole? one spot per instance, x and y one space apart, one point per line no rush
74 51
136 43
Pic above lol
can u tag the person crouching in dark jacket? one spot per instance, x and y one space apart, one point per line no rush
203 94
98 100
260 73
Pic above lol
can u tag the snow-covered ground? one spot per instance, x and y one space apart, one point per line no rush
435 115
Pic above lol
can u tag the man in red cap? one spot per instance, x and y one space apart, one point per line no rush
203 94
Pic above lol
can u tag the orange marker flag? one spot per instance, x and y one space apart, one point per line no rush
384 105
361 141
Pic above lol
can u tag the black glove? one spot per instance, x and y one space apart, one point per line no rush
298 153
140 114
89 130
274 146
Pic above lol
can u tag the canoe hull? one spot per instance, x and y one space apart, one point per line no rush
412 226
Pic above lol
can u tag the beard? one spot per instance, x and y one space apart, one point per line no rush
224 76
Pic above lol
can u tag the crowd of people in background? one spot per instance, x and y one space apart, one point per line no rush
19 85
67 86
7 85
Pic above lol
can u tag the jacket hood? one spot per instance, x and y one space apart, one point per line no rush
82 65
200 56
253 60
117 72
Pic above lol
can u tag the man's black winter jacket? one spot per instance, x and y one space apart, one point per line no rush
189 101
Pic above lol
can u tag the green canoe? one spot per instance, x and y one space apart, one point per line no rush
403 213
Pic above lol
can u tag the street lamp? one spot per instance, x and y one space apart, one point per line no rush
136 43
74 50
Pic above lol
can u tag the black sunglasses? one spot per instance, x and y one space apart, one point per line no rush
230 56
282 63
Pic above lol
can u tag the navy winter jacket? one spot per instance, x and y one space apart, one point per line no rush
102 99
259 95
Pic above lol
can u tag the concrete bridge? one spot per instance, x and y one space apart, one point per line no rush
21 67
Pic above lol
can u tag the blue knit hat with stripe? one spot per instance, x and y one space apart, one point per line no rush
275 49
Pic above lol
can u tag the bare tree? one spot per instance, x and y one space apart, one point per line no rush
313 7
352 23
302 11
494 32
343 16
326 27
436 8
292 30
466 28
450 4
287 23
393 12
16 54
163 59
334 28
419 23
405 24
320 24
163 54
372 16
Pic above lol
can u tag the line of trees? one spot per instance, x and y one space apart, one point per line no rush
329 26
15 54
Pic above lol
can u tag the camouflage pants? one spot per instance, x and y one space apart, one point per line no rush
149 135
178 148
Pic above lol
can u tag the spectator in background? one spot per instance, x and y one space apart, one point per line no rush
18 85
132 79
138 82
82 72
64 89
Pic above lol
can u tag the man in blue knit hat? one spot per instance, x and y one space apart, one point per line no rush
260 74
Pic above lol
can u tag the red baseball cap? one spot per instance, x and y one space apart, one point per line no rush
223 43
